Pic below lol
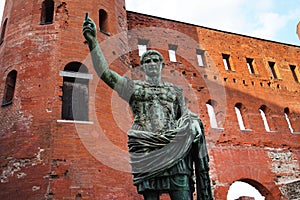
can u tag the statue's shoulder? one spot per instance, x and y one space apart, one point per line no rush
177 88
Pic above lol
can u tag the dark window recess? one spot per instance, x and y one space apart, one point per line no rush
250 65
226 61
3 31
9 88
293 69
273 70
103 21
75 95
47 12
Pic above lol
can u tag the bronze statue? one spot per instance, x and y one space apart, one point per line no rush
166 142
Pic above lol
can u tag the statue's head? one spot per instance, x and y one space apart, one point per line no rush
152 63
149 53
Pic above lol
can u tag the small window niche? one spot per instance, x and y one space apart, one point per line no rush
142 46
172 52
295 73
213 118
3 31
47 12
265 115
274 70
287 118
103 22
251 66
241 111
201 57
9 89
227 62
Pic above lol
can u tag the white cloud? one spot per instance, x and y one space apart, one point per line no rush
269 24
263 19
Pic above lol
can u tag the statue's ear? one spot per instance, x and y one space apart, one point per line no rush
142 68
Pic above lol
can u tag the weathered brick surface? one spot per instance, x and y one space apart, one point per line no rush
41 158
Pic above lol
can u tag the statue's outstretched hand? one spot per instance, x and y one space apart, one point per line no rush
89 29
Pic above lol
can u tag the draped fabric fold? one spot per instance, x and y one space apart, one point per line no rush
151 153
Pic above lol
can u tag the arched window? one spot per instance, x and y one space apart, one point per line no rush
243 190
264 112
287 117
240 110
103 21
75 92
47 12
211 113
3 31
9 90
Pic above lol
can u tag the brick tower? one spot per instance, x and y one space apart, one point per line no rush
41 51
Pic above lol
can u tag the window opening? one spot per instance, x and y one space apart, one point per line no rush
262 111
47 12
3 31
9 90
200 57
75 94
295 72
142 46
172 52
103 22
211 114
226 61
273 69
142 49
250 65
287 118
239 116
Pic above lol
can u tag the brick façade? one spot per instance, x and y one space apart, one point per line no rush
44 158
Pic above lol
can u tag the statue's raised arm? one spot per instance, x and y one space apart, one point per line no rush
89 31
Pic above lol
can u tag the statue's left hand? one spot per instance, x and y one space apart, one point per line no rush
196 130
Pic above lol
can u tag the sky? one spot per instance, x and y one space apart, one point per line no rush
274 20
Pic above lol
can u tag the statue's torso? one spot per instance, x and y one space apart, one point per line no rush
155 107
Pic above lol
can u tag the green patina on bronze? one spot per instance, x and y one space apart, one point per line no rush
166 142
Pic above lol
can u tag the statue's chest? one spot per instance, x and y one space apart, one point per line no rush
160 95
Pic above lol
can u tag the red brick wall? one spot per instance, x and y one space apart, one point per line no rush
263 159
41 157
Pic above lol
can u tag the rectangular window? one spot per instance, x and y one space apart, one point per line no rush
172 52
226 61
250 65
200 57
274 70
142 46
295 72
142 49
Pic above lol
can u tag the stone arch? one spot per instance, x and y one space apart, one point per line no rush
260 187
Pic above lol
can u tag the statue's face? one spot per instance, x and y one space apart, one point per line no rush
152 65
